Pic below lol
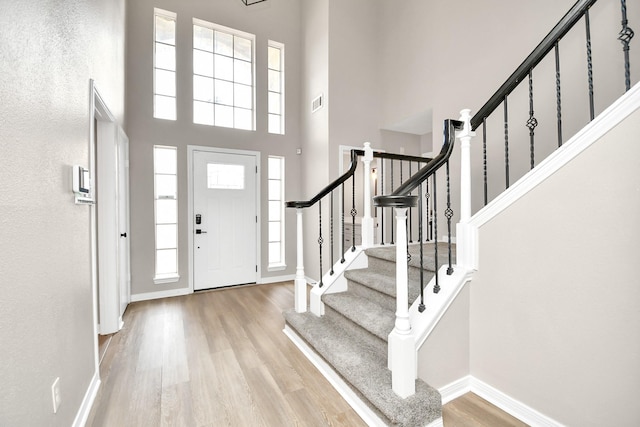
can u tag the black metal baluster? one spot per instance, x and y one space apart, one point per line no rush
448 213
589 64
320 240
331 227
342 260
484 160
421 307
354 212
436 288
506 142
410 240
429 223
532 122
558 95
625 36
382 193
391 190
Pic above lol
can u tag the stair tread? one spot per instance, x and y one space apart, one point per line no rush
363 368
370 316
388 253
384 282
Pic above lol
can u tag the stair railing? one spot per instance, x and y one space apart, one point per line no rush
525 73
385 172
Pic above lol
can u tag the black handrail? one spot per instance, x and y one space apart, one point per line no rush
349 173
546 45
401 197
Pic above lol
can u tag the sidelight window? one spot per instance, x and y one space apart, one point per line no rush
166 213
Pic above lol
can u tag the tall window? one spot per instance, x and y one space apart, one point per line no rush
276 212
166 213
164 65
276 87
223 76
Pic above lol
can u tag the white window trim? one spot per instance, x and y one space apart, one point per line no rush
165 277
282 264
280 46
239 33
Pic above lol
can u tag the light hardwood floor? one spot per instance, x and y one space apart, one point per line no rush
219 358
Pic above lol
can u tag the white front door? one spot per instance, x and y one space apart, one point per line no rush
225 219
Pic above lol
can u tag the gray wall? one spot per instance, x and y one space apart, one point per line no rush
49 51
277 20
554 304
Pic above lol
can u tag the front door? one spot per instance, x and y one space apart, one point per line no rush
225 219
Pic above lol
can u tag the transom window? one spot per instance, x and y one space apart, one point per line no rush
223 76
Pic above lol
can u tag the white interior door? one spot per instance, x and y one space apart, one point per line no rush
225 219
124 267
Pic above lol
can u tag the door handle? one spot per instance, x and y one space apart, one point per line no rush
123 234
198 231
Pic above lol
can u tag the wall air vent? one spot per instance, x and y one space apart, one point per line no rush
317 103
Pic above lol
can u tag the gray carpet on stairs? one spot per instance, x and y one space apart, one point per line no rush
352 334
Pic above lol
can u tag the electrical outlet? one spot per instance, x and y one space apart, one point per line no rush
55 395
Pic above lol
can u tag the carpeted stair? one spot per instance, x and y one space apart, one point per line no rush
352 335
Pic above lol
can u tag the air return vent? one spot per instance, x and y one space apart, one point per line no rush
317 103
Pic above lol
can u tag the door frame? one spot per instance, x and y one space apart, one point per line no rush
191 149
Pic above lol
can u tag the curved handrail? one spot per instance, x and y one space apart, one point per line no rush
329 188
349 173
400 197
566 23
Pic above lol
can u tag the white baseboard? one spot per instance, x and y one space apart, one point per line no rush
276 279
160 294
87 402
508 404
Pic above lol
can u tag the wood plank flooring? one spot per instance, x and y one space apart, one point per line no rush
219 358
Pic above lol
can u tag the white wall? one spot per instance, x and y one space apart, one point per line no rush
49 51
277 20
554 315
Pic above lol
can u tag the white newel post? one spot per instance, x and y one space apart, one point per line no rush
367 221
465 237
402 351
300 285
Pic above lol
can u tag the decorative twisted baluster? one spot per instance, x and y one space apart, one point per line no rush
320 239
558 95
382 209
354 212
410 214
506 142
532 122
484 160
625 36
436 288
391 189
448 213
589 64
421 307
429 223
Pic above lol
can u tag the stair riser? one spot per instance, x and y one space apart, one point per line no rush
385 301
356 330
389 267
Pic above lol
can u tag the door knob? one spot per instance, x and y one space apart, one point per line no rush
123 234
198 231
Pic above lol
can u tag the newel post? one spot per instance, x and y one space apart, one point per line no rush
300 283
466 241
402 351
367 220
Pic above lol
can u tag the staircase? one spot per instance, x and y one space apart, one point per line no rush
352 335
